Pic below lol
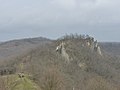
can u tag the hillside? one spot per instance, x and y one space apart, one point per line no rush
72 62
112 48
16 48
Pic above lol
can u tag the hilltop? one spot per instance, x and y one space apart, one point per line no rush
73 62
13 48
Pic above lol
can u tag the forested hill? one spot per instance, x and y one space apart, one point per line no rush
73 62
111 47
14 48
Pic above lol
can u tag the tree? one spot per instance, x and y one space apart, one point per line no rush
52 80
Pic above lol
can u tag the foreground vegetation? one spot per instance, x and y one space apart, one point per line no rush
14 82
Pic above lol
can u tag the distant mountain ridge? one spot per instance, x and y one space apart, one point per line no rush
17 47
111 47
26 40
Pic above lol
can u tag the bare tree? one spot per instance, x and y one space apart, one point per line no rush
52 80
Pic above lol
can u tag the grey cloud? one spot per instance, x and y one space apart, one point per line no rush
59 15
59 11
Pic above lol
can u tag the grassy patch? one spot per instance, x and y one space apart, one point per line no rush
13 82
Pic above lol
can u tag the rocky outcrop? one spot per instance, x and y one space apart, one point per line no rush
96 48
61 50
85 42
83 66
93 45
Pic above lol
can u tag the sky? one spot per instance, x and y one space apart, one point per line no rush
55 18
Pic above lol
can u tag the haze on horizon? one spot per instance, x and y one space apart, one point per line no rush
55 18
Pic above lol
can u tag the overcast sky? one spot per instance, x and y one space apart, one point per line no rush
54 18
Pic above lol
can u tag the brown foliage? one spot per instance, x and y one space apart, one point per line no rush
52 80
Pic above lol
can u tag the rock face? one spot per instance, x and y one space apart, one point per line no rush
93 45
61 50
87 42
97 48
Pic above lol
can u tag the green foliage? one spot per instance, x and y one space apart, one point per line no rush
13 82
